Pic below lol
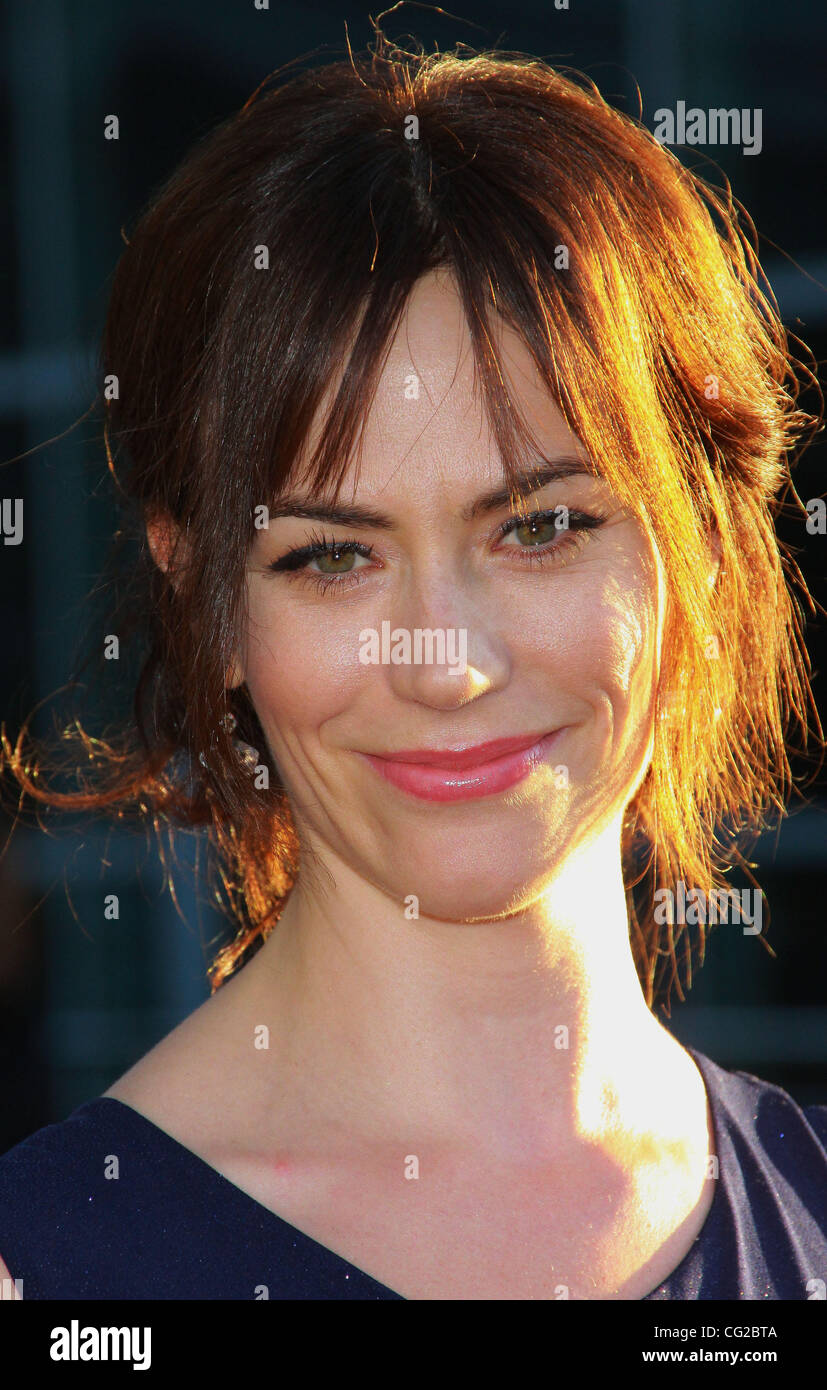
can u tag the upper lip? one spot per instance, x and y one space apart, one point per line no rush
471 755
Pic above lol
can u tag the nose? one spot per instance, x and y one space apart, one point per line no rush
450 648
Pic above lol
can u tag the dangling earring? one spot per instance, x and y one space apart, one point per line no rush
248 755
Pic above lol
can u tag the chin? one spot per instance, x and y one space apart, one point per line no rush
475 888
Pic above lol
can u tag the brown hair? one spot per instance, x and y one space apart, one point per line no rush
287 244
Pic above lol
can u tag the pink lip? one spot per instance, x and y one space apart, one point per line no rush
459 774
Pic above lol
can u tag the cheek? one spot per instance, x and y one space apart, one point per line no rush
595 631
625 656
629 642
300 671
629 618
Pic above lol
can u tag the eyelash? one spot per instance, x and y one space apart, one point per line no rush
295 561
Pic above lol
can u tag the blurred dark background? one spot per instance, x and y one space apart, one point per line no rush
82 997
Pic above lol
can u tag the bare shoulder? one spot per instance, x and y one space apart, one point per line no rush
190 1078
8 1288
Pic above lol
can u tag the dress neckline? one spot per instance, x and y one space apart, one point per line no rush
266 1214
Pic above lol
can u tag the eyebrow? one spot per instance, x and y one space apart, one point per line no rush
350 514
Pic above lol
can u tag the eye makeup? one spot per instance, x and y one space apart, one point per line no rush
565 541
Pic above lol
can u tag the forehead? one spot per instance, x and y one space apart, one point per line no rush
427 428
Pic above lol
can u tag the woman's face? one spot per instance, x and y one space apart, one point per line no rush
561 633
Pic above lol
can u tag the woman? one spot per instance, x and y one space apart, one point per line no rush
442 1075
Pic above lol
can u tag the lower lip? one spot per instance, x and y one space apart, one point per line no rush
454 784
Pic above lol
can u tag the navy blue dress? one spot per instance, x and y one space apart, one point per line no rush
171 1227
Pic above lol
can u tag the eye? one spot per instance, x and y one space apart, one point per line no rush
542 537
547 535
337 561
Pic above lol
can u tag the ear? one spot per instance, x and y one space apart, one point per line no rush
235 673
162 536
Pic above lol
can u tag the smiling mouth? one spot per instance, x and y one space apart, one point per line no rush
459 774
471 755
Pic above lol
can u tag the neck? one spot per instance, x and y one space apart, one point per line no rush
527 1032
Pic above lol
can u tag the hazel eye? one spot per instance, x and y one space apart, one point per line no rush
535 531
338 560
327 564
550 535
